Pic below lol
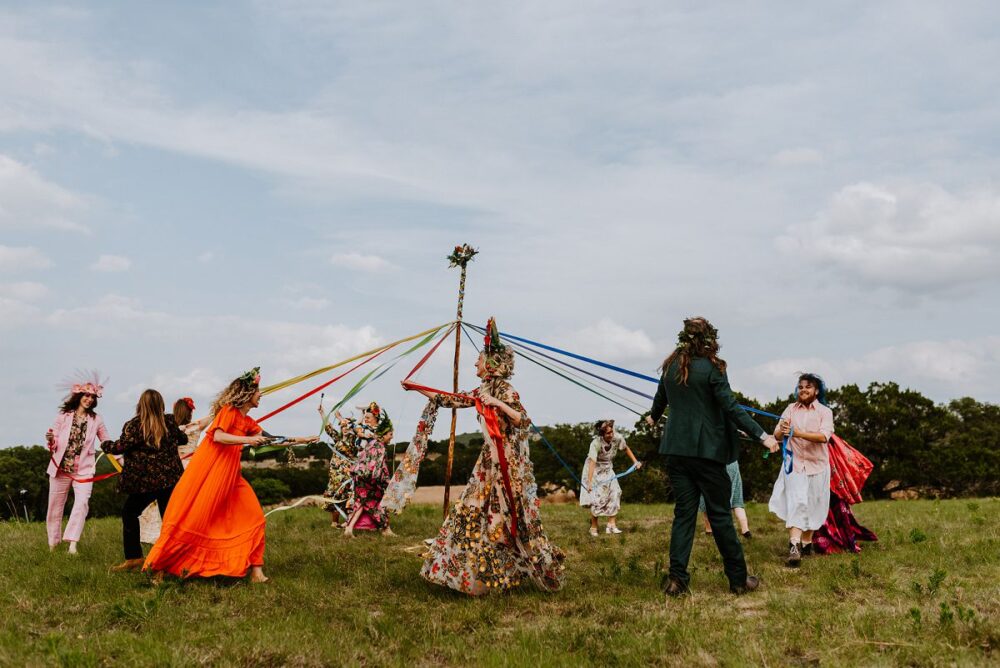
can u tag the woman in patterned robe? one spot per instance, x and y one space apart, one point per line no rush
493 538
338 488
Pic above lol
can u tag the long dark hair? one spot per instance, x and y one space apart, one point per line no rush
698 339
72 402
149 410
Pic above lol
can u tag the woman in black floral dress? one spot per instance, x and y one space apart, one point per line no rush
149 442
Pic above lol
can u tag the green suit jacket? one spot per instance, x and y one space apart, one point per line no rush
704 414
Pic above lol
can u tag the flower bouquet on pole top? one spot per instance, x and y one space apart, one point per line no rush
462 255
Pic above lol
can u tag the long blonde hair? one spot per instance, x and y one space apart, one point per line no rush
237 393
151 417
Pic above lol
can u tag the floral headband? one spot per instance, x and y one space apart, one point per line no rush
85 382
491 342
190 403
88 388
251 377
686 338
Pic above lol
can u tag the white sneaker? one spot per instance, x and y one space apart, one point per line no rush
611 529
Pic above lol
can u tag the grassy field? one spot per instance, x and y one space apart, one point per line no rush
927 594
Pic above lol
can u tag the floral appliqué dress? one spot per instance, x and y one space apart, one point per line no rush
338 488
493 538
370 474
605 494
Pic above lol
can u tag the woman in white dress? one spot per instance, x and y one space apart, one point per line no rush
600 489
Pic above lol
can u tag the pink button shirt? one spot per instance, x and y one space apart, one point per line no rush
808 457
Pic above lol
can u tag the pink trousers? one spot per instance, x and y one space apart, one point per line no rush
58 492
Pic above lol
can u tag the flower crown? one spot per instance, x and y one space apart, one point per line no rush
251 377
86 382
686 339
491 341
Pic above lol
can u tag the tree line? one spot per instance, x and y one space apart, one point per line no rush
916 445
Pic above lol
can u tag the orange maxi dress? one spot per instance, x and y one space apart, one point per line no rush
213 524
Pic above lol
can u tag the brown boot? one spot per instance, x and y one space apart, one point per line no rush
128 565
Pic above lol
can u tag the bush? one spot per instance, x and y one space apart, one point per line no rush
270 490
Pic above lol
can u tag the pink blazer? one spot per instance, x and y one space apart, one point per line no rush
87 462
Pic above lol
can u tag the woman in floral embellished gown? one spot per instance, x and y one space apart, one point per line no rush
339 492
370 472
493 538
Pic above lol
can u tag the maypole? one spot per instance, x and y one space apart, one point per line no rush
460 257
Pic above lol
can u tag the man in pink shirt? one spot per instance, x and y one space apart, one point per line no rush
801 496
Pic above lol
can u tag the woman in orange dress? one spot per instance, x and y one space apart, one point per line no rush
214 524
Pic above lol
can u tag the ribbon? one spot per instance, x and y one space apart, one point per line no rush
490 421
96 478
298 379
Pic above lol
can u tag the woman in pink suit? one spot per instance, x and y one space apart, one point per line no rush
71 441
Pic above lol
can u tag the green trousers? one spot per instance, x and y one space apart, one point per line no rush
692 478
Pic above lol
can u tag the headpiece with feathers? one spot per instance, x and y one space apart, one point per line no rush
84 382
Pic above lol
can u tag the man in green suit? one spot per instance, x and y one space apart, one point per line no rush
700 439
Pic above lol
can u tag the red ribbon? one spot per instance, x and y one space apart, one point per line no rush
492 427
96 478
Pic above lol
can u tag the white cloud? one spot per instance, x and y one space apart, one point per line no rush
16 313
797 157
200 384
22 258
206 257
24 291
110 313
360 262
911 237
952 368
28 201
309 303
608 340
111 263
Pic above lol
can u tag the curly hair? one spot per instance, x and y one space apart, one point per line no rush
698 339
499 362
72 402
237 393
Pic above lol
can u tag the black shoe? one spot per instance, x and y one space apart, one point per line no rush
675 588
807 549
794 555
747 535
750 585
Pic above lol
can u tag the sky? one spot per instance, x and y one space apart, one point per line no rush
188 190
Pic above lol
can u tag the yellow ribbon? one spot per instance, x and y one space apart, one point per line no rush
298 379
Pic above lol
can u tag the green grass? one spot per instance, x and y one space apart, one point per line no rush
927 594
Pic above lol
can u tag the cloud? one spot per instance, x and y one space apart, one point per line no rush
16 313
24 291
26 258
911 237
206 257
28 201
943 369
199 383
796 157
111 263
309 303
360 262
608 340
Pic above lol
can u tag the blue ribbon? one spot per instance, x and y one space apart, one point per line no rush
619 369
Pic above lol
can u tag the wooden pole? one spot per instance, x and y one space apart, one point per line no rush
460 258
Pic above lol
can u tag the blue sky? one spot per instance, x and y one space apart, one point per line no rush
190 189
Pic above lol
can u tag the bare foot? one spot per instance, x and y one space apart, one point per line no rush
349 532
157 578
72 547
388 532
128 565
257 575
